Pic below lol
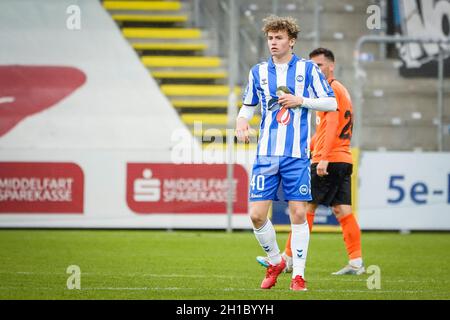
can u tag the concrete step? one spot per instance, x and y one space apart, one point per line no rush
342 49
380 88
182 61
349 25
415 108
401 138
293 7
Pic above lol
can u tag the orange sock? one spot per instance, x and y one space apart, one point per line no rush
310 219
352 236
287 249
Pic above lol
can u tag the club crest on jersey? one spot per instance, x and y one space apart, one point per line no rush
284 116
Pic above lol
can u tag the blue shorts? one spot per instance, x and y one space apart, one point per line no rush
293 173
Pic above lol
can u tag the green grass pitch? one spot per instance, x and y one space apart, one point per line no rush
203 265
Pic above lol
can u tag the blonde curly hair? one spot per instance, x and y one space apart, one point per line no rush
274 23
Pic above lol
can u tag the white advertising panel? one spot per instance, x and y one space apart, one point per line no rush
404 191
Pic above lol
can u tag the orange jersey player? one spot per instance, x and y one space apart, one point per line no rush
334 129
331 168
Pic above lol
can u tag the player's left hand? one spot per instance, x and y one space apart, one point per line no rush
290 101
322 168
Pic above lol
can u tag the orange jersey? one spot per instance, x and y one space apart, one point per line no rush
334 129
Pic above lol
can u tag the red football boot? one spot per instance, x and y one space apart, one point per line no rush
298 284
272 274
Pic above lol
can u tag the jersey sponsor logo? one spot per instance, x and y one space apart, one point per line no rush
283 116
300 78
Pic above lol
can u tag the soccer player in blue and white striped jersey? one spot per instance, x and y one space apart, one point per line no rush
287 88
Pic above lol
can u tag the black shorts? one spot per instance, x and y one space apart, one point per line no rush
334 188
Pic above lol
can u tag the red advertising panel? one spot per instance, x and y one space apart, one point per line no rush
41 187
184 188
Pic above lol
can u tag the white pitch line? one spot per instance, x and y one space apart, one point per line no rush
232 289
249 277
151 275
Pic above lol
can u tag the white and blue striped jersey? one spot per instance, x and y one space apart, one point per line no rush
302 78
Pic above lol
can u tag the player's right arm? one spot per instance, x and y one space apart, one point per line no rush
249 103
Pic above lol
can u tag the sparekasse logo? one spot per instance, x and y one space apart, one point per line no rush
147 189
303 189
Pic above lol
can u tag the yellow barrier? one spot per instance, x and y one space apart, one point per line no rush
149 18
179 103
212 119
181 61
142 5
197 90
162 33
173 46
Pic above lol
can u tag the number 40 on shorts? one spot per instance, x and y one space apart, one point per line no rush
257 182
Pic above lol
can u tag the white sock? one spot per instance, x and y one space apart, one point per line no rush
267 239
357 263
299 246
